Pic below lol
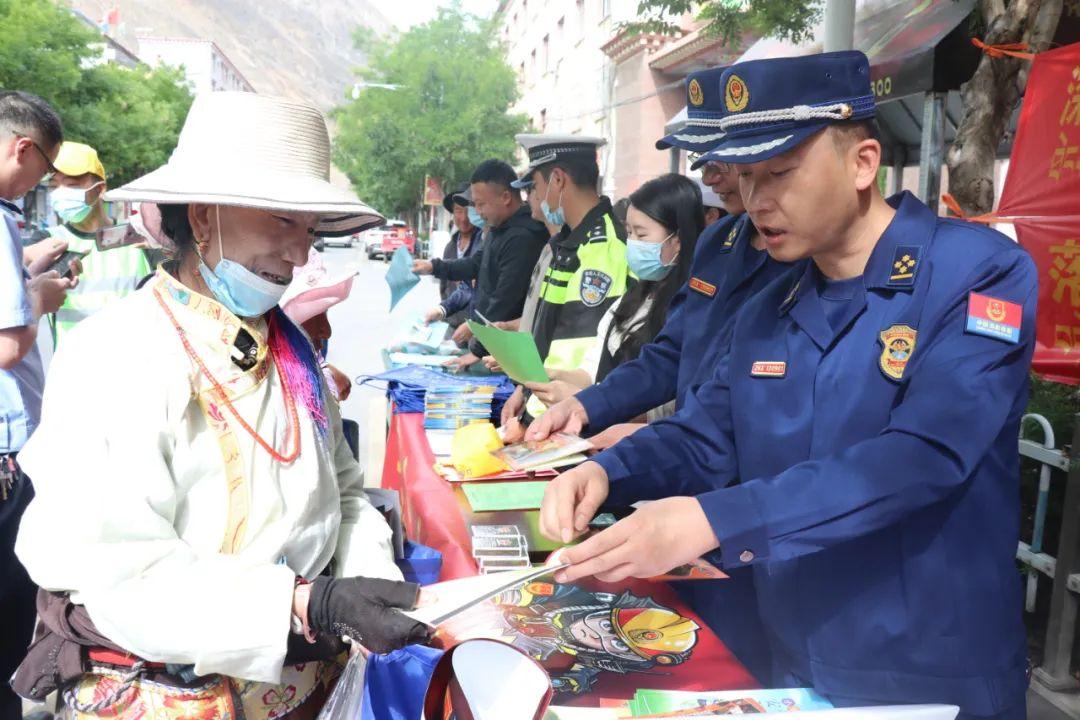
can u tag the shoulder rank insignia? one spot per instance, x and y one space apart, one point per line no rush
998 319
898 343
732 236
904 266
705 288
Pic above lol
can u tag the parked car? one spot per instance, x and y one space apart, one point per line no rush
346 241
381 242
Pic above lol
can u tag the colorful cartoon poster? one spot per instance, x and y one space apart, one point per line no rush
601 641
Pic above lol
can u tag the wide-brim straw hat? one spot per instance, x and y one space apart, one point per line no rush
254 151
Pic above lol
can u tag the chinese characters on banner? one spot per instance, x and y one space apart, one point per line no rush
1041 192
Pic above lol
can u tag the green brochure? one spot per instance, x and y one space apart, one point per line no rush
515 351
496 496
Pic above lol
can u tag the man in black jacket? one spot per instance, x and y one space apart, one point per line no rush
503 266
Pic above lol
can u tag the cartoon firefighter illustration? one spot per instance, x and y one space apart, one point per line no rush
577 634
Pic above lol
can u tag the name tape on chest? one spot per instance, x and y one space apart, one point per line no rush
699 285
768 369
994 318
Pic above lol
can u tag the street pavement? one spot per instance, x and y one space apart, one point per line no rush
363 325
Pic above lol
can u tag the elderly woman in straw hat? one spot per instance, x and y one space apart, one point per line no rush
195 497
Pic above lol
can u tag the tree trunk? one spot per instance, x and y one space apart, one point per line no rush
991 94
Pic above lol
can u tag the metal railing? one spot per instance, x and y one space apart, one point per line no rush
1064 569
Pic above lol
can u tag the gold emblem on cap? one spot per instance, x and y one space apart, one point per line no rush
694 92
736 94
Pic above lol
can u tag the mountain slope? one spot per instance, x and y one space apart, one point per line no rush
298 48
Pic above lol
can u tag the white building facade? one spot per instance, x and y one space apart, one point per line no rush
207 68
565 79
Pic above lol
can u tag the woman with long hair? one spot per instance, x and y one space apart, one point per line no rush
663 222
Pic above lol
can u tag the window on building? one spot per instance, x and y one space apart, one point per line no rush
521 72
543 120
581 18
545 56
559 35
532 63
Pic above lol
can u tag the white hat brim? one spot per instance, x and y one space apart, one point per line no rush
342 213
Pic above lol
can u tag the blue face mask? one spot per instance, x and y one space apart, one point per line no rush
243 292
69 203
645 260
475 219
554 217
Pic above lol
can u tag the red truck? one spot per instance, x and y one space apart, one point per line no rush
382 241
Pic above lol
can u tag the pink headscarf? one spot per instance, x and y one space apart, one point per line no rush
313 291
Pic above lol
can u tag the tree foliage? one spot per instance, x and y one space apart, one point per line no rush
132 117
449 112
792 20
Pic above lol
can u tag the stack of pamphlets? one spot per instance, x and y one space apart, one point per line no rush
452 406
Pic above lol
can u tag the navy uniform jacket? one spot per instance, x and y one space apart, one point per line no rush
878 502
726 270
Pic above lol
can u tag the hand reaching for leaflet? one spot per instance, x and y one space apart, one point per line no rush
367 610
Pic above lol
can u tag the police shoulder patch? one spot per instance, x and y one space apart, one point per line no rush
594 287
898 343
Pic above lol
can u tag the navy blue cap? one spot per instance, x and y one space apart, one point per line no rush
770 106
704 110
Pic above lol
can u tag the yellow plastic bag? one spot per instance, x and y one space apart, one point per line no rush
471 448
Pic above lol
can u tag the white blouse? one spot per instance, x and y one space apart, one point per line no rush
131 496
591 362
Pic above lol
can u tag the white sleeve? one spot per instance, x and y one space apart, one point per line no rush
365 545
102 523
590 363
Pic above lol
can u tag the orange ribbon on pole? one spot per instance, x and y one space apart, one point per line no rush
1016 50
986 219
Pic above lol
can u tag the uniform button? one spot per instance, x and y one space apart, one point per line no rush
746 556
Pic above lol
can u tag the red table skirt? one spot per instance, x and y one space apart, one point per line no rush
436 514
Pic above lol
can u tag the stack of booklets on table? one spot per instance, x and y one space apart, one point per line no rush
449 407
499 548
407 386
558 450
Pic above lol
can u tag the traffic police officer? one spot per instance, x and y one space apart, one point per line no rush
588 271
868 407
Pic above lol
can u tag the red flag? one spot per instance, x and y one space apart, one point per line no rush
1040 193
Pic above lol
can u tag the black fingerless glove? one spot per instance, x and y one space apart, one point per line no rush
365 609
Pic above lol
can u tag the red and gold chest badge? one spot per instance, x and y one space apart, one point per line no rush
736 94
699 285
898 344
694 93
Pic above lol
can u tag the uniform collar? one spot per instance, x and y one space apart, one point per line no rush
591 226
896 259
898 256
10 207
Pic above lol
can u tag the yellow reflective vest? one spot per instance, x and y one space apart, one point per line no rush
106 277
588 274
